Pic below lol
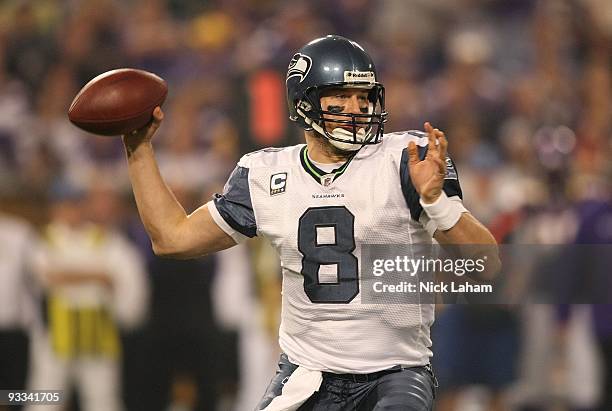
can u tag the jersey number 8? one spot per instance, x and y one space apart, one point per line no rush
338 253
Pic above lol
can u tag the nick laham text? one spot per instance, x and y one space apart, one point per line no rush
432 287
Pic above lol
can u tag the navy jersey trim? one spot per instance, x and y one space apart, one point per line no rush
451 186
235 205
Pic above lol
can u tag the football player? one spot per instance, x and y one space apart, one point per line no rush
318 203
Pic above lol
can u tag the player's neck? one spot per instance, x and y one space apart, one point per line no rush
320 151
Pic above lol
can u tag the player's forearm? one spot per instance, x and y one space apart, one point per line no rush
467 230
470 239
159 210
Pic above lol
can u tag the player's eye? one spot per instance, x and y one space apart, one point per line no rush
335 109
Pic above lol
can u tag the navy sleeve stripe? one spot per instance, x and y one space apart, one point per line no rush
451 186
410 194
235 206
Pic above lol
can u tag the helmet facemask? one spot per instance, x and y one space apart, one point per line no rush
352 131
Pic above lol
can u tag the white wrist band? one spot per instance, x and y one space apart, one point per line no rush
444 212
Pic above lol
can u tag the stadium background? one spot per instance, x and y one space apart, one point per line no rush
522 89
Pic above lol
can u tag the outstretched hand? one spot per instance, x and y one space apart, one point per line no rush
427 175
144 134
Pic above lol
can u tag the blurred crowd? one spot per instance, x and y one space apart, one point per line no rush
522 88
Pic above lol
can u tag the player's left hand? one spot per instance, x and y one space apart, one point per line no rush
427 175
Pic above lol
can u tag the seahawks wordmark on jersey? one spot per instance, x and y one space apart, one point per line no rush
318 222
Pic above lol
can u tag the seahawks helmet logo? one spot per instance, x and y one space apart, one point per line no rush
299 66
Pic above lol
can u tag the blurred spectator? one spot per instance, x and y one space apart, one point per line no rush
195 363
90 40
16 300
475 345
151 40
595 231
29 48
16 147
202 134
256 318
93 282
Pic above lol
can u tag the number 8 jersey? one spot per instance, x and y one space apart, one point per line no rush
318 221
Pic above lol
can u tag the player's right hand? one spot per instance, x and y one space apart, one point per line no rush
145 134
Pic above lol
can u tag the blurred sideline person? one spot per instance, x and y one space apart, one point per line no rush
318 203
475 345
255 318
590 276
196 362
16 304
93 282
249 273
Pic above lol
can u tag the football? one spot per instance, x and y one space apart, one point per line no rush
117 102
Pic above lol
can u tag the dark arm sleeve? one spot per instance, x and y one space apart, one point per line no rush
451 182
235 205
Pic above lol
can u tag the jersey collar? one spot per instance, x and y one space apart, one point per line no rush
320 176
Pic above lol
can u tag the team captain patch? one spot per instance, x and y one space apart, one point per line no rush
278 183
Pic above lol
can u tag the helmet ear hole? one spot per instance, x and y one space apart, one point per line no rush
304 105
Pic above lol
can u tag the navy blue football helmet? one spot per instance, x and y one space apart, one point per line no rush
335 62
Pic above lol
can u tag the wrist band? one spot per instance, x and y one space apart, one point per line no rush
443 212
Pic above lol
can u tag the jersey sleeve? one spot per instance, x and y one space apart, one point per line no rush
451 187
233 210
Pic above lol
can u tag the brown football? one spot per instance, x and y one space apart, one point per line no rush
117 102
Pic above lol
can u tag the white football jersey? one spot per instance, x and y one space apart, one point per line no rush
318 223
